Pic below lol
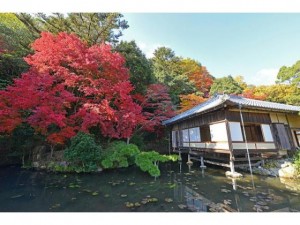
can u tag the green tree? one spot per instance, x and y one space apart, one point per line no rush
289 74
241 81
168 70
226 85
141 74
83 153
281 93
91 27
15 41
14 35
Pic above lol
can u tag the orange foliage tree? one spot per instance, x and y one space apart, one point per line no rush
189 101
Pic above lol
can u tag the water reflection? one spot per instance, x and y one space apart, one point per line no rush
242 194
180 188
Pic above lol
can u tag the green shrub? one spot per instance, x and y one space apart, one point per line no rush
148 161
119 154
84 154
296 160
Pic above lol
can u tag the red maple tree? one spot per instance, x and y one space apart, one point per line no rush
71 87
157 107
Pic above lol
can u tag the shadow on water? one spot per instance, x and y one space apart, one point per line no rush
180 188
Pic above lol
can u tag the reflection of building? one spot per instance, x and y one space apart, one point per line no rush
221 129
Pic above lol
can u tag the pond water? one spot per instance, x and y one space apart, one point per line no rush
178 189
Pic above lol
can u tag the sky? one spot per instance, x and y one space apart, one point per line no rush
254 45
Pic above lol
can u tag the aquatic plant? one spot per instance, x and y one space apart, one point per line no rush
119 154
148 161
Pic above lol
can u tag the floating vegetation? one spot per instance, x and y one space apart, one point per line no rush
71 185
106 195
73 198
227 201
246 193
182 206
257 208
95 193
149 200
131 183
129 204
172 186
168 200
262 203
137 204
16 196
123 195
87 190
55 206
225 190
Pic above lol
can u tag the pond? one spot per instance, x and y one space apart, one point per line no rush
178 189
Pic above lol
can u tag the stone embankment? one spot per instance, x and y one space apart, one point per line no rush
282 168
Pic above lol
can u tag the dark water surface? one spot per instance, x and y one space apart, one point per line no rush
178 189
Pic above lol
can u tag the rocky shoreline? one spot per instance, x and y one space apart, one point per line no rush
282 168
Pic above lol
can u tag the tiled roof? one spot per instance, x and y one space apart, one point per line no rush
218 100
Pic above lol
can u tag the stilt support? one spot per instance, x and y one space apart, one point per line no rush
202 163
232 172
189 162
179 156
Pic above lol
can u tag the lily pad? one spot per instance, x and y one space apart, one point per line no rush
227 201
73 198
168 200
153 200
106 196
131 183
95 193
172 186
182 206
129 204
123 195
225 190
55 206
16 196
137 204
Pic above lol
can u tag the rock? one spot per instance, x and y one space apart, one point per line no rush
233 174
286 164
290 184
36 164
287 171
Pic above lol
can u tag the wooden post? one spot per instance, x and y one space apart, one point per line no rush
189 162
231 160
179 156
202 163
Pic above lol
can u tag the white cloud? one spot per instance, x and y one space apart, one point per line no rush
265 76
148 50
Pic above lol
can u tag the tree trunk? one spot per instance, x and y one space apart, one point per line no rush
128 139
52 150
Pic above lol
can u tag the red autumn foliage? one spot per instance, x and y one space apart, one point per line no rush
202 80
71 87
157 107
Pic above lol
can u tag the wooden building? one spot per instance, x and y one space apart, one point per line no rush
226 129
